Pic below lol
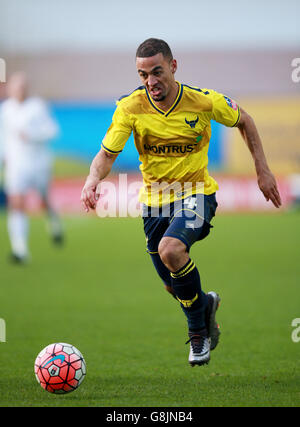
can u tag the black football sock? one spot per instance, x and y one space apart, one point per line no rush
161 269
187 288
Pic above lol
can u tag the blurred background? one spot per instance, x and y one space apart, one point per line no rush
80 56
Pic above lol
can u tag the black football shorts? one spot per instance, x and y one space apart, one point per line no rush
187 220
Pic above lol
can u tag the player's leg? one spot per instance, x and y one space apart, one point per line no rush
17 226
185 280
156 223
42 184
16 186
54 222
193 316
186 285
189 224
155 226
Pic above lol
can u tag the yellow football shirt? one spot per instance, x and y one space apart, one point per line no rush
172 145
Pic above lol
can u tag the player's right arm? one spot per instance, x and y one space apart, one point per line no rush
99 169
112 144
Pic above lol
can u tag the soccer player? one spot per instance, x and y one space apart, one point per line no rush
170 122
25 128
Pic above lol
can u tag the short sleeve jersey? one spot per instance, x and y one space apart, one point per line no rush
172 145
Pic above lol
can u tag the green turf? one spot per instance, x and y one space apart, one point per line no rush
66 167
101 293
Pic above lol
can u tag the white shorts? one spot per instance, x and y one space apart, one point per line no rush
20 180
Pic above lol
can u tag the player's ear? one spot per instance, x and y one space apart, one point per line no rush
173 66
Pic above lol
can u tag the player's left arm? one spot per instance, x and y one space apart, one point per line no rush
265 178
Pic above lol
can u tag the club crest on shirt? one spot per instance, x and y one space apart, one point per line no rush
192 123
231 103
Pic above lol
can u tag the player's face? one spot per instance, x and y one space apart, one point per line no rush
157 74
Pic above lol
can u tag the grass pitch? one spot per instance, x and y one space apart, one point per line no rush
101 293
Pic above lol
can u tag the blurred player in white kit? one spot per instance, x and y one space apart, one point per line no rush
25 129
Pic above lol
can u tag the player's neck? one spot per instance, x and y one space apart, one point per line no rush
167 103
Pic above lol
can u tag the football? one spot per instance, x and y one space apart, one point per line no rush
60 368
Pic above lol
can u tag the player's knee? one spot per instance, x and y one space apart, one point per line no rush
171 251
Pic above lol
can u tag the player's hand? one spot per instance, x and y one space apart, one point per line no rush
90 193
268 186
